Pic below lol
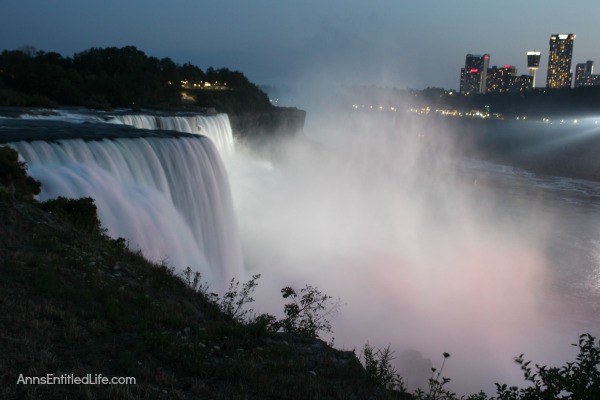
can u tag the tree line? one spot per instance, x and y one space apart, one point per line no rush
106 78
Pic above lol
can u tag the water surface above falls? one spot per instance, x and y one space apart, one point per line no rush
18 129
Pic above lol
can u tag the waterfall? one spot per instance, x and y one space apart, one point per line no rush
216 128
169 197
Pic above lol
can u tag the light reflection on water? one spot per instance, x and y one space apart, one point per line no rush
594 273
573 250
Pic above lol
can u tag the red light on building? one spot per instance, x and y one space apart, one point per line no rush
473 70
507 66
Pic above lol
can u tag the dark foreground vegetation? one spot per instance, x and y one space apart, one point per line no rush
105 78
74 301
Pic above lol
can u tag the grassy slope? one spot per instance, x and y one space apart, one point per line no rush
76 304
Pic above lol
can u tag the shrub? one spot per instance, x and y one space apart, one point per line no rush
307 312
194 280
437 383
14 181
261 324
233 301
378 364
579 380
82 213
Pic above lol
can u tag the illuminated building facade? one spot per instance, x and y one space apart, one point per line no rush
559 61
584 75
533 63
505 79
473 76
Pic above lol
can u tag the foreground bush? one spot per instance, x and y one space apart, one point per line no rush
307 311
82 213
379 368
14 181
578 380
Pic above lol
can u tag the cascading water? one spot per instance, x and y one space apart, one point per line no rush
216 128
170 197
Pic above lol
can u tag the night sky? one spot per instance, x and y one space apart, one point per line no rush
401 43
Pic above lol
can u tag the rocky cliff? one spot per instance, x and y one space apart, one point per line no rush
264 131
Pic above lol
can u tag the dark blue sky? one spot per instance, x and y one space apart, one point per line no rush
402 43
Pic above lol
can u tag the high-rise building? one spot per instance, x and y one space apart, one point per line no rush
559 61
505 79
473 76
533 63
584 75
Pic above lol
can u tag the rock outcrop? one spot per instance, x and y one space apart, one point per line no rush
264 132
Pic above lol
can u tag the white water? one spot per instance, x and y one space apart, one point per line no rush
216 128
169 197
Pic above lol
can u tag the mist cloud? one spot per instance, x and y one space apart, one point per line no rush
424 256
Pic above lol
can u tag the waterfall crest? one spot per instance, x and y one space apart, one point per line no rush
216 128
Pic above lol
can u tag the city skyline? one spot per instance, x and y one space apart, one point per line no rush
395 43
476 77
